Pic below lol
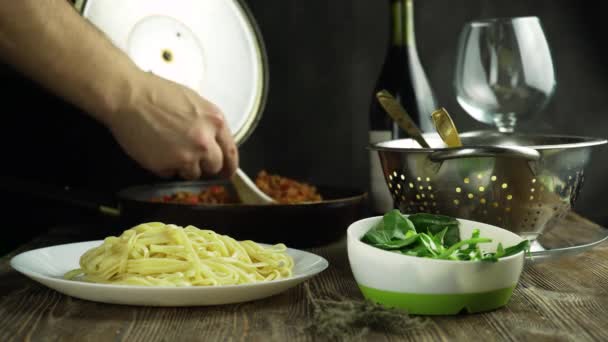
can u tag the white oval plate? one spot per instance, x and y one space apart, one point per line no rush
48 265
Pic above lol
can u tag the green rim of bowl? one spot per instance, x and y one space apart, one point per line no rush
439 304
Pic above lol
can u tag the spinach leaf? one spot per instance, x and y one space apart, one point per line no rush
433 236
433 224
491 257
500 251
397 223
409 238
505 252
439 237
522 246
419 250
472 247
431 245
456 247
377 236
392 232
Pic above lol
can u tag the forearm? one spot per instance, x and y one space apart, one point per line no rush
52 44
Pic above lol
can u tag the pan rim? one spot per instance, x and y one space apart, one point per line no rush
126 194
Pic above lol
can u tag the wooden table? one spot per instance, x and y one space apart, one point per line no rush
558 300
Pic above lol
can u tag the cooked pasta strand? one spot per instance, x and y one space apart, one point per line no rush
158 254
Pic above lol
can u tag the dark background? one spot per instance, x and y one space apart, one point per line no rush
324 58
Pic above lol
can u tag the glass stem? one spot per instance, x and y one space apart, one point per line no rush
505 122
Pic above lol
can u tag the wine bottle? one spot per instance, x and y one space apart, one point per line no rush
403 76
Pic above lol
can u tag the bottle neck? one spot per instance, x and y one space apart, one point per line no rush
402 23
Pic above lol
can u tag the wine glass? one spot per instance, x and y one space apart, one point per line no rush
504 70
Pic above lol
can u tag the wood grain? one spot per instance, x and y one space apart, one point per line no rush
558 300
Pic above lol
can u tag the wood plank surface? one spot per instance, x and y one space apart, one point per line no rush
557 300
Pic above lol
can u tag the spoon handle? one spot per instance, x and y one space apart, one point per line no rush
247 191
446 128
398 113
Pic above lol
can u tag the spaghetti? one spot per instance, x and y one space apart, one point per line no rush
158 254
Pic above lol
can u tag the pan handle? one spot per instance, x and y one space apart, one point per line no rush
55 193
526 153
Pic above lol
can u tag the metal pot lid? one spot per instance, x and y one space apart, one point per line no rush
211 46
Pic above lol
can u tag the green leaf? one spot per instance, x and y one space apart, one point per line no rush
500 251
397 223
430 244
433 236
473 247
505 252
410 238
419 250
439 237
393 231
522 246
491 257
457 246
433 224
376 237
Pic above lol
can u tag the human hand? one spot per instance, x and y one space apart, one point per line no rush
169 129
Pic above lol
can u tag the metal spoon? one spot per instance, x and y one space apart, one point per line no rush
446 128
398 113
247 191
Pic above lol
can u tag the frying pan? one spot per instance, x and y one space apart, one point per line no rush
297 225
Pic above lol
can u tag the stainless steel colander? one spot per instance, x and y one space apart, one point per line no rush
516 181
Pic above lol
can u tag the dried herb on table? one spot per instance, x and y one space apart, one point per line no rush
343 318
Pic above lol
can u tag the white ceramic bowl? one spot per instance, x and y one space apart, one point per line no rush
435 287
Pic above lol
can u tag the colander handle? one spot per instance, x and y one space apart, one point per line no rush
526 153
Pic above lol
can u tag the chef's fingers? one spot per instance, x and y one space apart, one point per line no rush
229 151
211 158
190 171
168 173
